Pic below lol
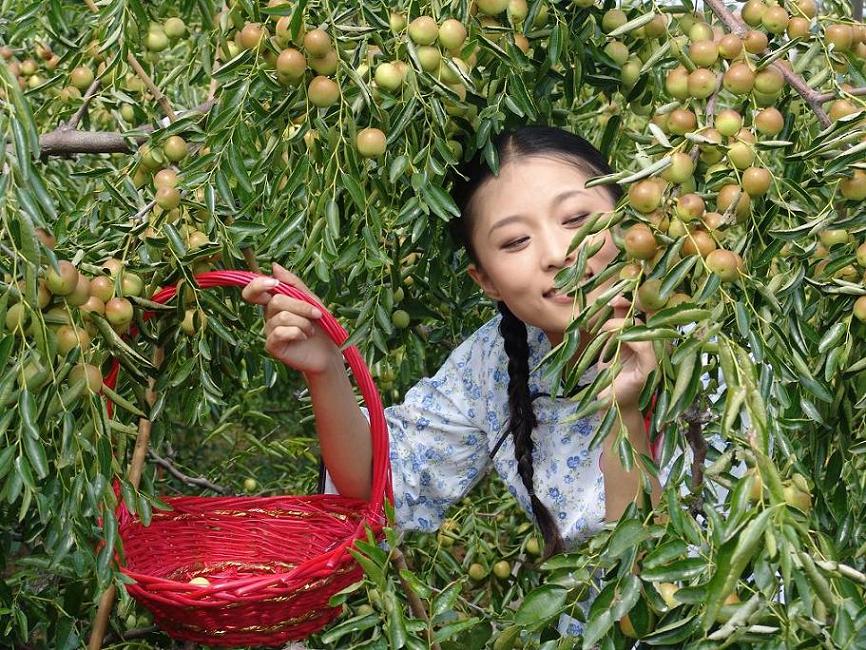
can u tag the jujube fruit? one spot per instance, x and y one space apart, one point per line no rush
859 309
690 207
452 34
387 76
69 337
64 282
756 180
853 188
739 79
323 92
291 63
612 19
118 311
317 42
91 374
841 36
644 196
770 121
649 296
81 77
491 7
639 242
251 36
370 142
423 30
726 196
726 264
698 242
167 197
102 287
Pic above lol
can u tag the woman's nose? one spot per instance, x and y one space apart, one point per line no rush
556 254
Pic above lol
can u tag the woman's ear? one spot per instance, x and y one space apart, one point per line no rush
483 281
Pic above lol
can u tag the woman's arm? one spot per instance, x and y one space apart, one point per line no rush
344 434
621 487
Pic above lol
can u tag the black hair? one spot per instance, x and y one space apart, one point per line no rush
548 142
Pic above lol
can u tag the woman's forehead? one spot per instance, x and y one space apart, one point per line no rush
533 181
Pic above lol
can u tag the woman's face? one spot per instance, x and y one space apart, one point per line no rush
525 219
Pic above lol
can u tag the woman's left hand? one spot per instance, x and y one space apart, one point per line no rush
636 358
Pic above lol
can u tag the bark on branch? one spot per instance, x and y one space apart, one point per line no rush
64 142
737 27
696 419
189 480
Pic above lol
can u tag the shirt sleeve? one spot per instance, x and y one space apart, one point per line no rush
437 449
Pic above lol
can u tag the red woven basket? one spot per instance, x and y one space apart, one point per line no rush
272 562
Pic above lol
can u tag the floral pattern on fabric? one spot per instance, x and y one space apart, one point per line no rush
442 434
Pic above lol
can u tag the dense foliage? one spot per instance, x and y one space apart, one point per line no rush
148 142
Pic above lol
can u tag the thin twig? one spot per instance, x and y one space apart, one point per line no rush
854 92
709 117
72 124
211 93
92 6
189 480
415 604
138 216
740 29
161 99
129 635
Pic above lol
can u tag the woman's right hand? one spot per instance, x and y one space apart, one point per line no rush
290 332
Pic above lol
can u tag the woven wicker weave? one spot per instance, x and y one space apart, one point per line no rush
272 562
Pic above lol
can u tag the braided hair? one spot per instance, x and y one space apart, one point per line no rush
525 141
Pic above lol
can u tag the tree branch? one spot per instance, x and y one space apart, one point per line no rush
811 97
73 122
161 99
695 419
854 92
189 480
64 142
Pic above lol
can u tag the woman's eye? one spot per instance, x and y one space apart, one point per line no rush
575 219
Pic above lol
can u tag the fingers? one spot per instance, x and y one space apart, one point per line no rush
280 336
257 291
284 275
638 353
290 319
280 303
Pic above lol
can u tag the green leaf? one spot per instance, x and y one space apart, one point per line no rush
541 605
373 571
452 629
596 628
733 557
445 600
682 314
356 624
832 337
628 533
675 571
36 455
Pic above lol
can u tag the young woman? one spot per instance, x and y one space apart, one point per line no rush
486 406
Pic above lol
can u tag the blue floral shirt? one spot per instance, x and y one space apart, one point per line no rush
442 435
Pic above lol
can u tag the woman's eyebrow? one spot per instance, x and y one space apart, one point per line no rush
559 198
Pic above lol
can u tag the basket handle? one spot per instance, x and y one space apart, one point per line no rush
381 474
